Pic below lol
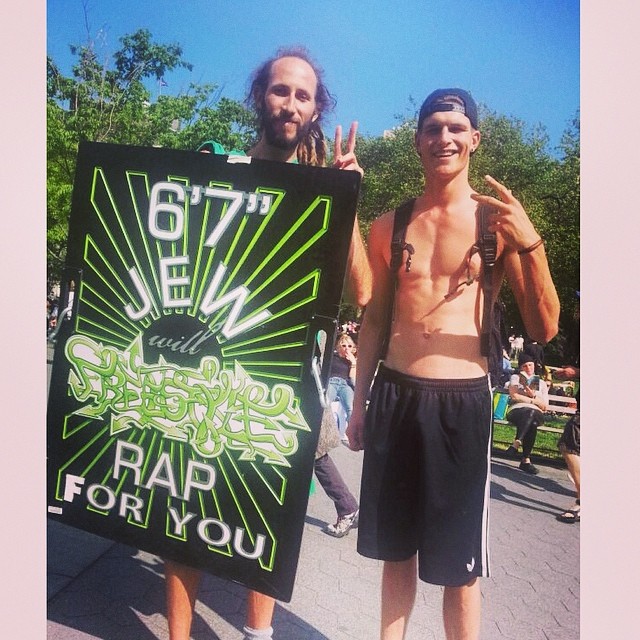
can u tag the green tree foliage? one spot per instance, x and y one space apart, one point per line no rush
393 171
563 231
110 101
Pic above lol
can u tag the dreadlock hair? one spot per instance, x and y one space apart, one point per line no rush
312 149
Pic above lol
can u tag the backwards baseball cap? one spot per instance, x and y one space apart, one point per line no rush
438 101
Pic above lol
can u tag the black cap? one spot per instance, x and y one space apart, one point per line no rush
525 357
436 101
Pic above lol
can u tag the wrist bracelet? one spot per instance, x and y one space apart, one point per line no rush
531 248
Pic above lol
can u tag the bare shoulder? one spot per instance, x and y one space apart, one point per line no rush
383 221
379 248
381 230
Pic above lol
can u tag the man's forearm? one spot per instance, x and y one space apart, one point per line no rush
358 277
541 306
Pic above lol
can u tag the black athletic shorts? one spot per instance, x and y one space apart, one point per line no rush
569 441
426 475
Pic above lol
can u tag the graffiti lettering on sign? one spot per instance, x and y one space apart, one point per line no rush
210 408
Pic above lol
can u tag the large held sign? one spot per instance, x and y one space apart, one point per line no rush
186 390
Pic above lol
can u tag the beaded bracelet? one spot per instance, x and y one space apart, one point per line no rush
531 248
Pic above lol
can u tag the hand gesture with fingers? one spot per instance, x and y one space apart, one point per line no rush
347 160
510 220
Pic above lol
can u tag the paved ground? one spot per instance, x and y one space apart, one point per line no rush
100 589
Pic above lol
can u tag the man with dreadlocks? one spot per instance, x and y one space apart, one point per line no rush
289 97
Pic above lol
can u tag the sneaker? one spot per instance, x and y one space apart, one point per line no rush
344 524
511 452
527 467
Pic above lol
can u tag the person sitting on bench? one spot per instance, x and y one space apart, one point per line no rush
529 399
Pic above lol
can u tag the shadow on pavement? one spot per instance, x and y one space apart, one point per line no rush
120 595
116 597
531 485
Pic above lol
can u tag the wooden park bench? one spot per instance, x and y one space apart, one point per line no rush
565 405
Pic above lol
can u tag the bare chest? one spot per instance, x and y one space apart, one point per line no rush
443 251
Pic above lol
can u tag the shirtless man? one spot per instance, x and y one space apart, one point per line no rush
425 483
290 99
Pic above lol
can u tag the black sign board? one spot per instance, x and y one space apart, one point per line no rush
185 398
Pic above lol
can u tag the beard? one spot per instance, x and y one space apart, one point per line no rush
277 138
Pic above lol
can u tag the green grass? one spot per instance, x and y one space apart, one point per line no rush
546 445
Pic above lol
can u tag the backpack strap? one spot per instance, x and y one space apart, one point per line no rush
401 217
487 245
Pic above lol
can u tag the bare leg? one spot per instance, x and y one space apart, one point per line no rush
573 466
259 610
461 611
182 589
572 514
399 581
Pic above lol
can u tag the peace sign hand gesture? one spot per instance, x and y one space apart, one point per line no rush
510 219
347 160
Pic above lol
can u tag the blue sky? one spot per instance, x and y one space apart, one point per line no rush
519 57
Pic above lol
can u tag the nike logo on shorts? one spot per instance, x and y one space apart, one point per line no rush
471 564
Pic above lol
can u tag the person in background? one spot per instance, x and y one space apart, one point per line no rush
536 351
516 346
507 369
332 482
49 307
342 377
53 314
569 446
529 398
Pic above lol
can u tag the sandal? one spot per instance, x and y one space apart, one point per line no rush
571 515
